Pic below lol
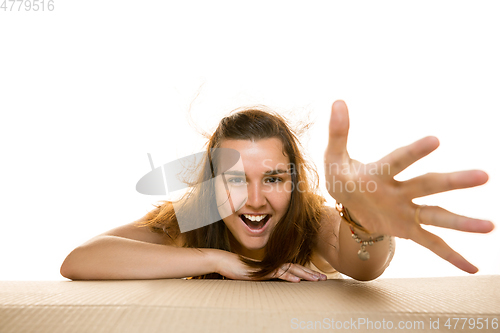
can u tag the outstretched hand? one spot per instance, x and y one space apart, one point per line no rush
384 205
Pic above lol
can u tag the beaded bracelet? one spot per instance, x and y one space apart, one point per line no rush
362 253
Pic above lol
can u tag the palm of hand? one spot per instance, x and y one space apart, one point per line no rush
383 205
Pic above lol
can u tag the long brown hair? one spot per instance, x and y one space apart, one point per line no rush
295 234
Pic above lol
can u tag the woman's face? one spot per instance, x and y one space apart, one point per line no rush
263 174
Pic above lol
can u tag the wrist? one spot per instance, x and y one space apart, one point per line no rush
361 233
346 217
216 259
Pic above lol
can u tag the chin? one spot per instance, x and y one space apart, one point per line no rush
254 246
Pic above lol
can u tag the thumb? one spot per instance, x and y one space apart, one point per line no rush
339 129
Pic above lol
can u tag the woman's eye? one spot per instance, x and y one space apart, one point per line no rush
273 180
237 180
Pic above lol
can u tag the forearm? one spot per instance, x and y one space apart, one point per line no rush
350 264
118 258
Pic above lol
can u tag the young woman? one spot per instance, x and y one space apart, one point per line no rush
270 222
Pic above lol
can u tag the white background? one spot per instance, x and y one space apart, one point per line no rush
87 90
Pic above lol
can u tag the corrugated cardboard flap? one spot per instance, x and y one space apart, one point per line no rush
180 305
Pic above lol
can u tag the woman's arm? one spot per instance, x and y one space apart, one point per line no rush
118 258
132 252
336 245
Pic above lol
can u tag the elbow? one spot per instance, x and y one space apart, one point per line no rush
68 267
66 272
365 278
366 275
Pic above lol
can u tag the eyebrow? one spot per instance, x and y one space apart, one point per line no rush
267 173
275 172
234 173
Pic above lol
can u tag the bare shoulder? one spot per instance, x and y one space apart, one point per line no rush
328 238
139 232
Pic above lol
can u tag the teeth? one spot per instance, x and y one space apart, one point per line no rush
255 218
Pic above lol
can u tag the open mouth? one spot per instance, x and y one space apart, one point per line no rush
255 222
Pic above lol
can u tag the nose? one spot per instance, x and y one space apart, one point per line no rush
256 196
